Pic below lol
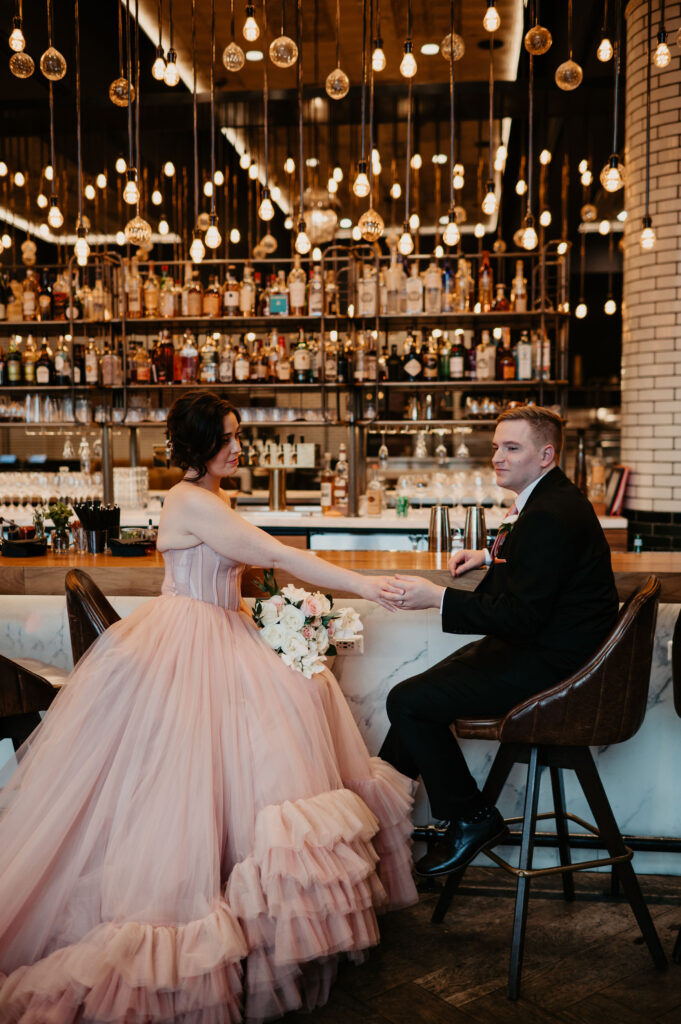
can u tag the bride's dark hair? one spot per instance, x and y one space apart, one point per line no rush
195 429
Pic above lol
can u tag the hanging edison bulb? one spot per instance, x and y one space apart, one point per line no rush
460 215
235 236
302 243
52 64
408 67
81 249
213 236
370 225
647 236
520 187
529 237
605 50
610 307
197 250
203 221
233 57
406 242
378 61
163 225
586 178
131 192
489 203
41 200
581 309
662 55
545 218
21 65
360 185
538 40
491 21
266 208
55 218
479 230
251 29
283 52
269 244
568 75
451 234
455 43
337 84
158 68
17 42
171 74
156 197
395 190
118 92
588 213
499 245
612 176
138 232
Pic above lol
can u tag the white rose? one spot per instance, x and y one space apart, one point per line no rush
291 618
321 639
311 665
294 594
273 635
269 613
294 646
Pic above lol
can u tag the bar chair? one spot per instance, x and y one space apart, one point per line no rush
23 694
88 610
602 703
676 683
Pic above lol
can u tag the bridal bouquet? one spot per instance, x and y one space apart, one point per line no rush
302 627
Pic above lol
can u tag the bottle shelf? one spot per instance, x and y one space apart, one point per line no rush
385 425
461 385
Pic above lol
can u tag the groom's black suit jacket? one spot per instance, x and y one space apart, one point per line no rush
548 601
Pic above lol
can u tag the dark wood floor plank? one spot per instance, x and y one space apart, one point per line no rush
409 1003
598 1009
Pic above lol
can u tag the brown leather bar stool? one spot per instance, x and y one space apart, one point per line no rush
88 610
602 703
676 683
23 694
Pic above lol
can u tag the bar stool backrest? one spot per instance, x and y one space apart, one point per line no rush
676 665
88 610
22 691
605 701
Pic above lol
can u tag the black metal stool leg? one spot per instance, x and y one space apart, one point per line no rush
525 862
451 885
590 782
562 830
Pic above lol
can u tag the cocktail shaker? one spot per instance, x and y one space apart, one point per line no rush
439 529
474 531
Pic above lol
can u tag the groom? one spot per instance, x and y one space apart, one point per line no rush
547 601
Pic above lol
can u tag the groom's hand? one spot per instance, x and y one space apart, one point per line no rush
464 561
413 592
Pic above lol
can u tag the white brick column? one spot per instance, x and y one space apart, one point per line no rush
651 306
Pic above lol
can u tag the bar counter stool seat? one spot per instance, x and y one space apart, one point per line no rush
88 610
23 695
601 704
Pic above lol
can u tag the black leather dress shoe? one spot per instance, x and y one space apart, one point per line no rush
462 842
429 833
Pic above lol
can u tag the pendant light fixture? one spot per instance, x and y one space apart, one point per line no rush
52 63
647 236
158 68
55 217
337 82
283 50
119 88
489 203
662 53
361 186
612 175
370 223
137 231
406 243
171 74
266 208
378 61
197 249
610 306
538 40
233 56
20 63
581 308
569 74
451 234
528 238
213 237
302 242
491 22
605 51
408 65
81 249
251 29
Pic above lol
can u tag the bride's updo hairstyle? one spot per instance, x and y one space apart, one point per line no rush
195 429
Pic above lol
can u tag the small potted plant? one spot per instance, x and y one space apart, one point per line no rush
59 513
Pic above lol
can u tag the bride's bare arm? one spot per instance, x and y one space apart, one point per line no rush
200 514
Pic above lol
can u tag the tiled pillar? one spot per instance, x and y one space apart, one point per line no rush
651 307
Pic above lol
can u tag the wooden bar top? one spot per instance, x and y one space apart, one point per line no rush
144 575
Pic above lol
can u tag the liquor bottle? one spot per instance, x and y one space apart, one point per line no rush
272 357
382 293
359 363
523 358
3 369
78 364
414 290
316 359
230 294
471 369
194 292
184 291
448 288
74 306
29 298
519 289
371 358
29 360
86 302
151 293
14 364
501 303
302 361
91 364
315 293
485 358
142 365
44 367
45 298
342 364
506 365
99 310
226 363
579 478
326 486
278 296
60 296
297 288
331 307
247 292
433 289
3 297
212 298
208 361
394 364
443 357
110 368
457 358
133 291
412 365
462 286
402 284
167 300
542 355
485 283
340 484
366 293
62 363
382 364
393 276
283 362
189 360
254 372
242 364
374 493
430 360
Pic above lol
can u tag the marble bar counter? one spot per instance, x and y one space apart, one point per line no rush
639 776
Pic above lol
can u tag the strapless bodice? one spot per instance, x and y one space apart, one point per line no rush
203 574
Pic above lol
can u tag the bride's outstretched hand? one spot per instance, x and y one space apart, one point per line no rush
383 590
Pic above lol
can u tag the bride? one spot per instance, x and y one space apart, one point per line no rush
196 832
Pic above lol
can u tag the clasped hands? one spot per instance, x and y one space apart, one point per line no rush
401 592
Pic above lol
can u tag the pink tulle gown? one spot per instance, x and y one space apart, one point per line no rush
195 832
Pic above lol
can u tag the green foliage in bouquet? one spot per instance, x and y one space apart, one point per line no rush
60 514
